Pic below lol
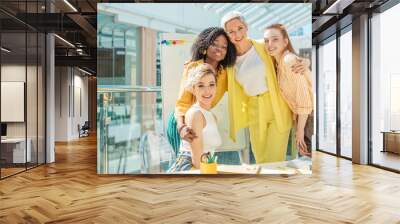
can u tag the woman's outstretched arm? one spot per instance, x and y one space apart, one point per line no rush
196 121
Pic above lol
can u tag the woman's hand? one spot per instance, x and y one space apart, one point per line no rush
301 66
186 133
301 144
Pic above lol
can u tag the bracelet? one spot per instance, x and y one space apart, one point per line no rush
180 128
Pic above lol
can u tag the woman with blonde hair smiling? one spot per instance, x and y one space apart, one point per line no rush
202 83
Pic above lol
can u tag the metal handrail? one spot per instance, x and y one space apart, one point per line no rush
118 89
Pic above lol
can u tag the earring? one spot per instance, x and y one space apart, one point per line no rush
204 52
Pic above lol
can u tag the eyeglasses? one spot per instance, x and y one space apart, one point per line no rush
222 47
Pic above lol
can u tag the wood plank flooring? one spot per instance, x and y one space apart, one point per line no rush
387 159
10 171
70 191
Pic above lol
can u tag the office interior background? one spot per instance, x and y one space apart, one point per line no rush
48 92
48 82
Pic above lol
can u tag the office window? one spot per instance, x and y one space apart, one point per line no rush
314 82
118 52
129 95
346 94
385 87
13 82
23 77
327 96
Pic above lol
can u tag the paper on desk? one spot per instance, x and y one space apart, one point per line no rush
238 169
278 170
286 167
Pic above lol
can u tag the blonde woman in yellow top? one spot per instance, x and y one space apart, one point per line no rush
296 89
255 100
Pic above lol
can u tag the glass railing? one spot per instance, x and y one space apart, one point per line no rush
130 127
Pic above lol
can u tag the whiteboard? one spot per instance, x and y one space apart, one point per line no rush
173 58
12 101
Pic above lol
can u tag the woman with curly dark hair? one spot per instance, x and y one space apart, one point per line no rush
206 48
213 47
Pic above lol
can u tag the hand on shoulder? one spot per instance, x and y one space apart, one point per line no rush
295 63
290 59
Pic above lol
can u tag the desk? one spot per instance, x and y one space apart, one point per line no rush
391 141
13 150
292 167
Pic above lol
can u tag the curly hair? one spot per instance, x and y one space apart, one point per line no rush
205 39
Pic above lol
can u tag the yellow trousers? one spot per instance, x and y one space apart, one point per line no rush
267 143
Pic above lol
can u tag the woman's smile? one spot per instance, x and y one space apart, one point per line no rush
208 96
271 49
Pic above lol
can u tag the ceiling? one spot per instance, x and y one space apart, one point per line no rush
75 20
331 15
258 16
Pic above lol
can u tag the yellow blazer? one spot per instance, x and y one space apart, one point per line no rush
238 100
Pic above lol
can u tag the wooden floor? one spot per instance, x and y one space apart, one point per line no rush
70 191
10 171
387 159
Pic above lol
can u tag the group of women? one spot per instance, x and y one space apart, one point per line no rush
269 92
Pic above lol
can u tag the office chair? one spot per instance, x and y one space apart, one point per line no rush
156 154
84 130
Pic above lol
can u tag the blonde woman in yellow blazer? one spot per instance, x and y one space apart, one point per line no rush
265 113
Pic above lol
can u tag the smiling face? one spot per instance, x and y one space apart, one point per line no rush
218 48
275 43
205 89
236 30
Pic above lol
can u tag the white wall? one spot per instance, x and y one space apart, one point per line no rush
71 87
33 126
79 117
13 73
61 103
171 70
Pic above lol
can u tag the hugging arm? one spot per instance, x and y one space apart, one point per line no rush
183 103
196 122
301 65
